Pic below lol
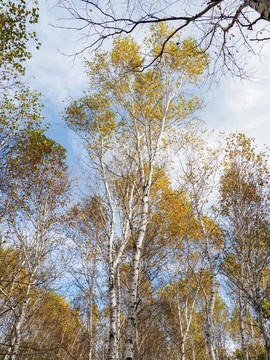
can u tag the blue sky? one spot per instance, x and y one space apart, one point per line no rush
230 106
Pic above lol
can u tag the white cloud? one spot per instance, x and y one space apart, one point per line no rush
57 76
243 106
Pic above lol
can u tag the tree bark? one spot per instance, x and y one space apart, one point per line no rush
242 328
133 290
209 316
184 319
90 312
16 334
210 301
113 340
261 6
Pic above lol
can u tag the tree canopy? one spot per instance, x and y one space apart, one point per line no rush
227 29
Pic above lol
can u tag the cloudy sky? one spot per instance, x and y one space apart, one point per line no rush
229 107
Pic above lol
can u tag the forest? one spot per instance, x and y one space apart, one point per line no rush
161 249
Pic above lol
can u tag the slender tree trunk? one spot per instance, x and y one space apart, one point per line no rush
209 317
184 319
113 340
16 334
90 308
210 302
182 350
113 335
118 308
90 327
240 296
134 279
193 350
242 327
252 333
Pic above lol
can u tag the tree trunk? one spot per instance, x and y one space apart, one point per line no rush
261 6
134 278
210 302
242 328
90 327
113 340
182 350
118 308
193 350
254 350
187 320
16 334
209 318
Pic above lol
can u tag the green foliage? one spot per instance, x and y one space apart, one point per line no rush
19 113
16 19
266 309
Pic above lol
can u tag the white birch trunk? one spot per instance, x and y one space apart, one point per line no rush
113 346
153 147
113 340
184 320
118 306
252 333
90 328
182 336
193 350
134 279
241 304
90 315
16 335
114 261
210 301
242 327
209 317
114 294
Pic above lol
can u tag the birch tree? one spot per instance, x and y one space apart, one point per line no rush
20 113
245 206
55 329
85 231
199 165
125 122
178 296
41 184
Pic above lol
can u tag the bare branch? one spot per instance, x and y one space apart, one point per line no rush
210 23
